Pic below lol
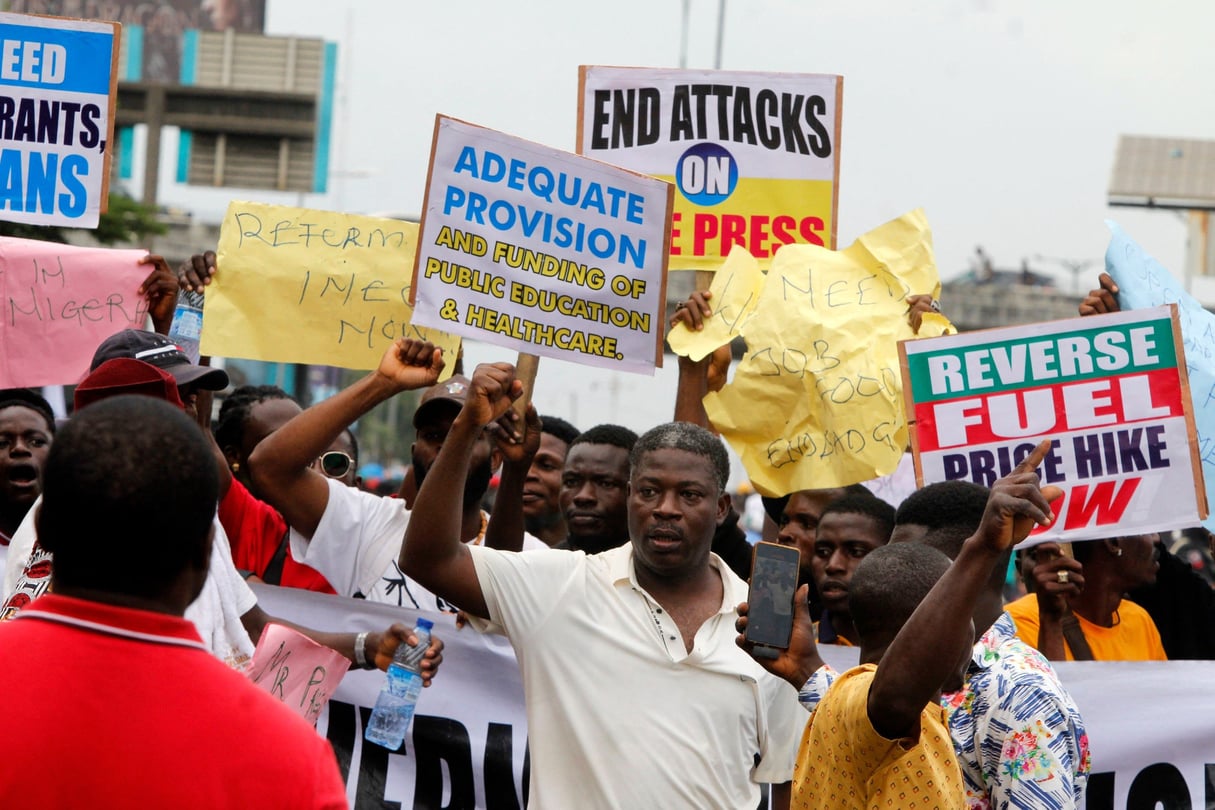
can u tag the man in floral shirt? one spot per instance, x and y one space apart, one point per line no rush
1018 735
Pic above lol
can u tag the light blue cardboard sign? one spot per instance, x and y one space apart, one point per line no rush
1143 282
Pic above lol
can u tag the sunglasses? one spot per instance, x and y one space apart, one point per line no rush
335 463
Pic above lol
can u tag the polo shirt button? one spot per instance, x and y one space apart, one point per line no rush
672 638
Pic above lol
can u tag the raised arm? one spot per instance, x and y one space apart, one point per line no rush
281 463
432 552
698 377
925 652
506 525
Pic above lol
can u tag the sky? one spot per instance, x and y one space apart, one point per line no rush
1000 119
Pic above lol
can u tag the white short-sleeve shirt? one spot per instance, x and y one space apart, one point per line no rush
619 713
356 546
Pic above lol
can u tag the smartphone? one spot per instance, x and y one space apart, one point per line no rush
774 570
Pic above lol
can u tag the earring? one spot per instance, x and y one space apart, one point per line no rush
1119 554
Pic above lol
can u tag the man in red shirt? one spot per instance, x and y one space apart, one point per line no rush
151 718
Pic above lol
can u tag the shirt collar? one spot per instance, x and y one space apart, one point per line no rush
1000 632
622 571
143 625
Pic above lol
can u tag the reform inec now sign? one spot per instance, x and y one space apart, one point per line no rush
1110 392
57 89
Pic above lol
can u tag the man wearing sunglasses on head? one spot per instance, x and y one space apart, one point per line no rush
258 533
354 538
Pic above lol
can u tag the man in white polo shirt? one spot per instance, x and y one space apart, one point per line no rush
637 695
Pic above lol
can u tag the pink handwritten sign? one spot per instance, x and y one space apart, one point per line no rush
58 302
296 670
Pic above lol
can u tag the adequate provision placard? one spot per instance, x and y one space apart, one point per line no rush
1109 391
541 250
294 285
754 156
57 91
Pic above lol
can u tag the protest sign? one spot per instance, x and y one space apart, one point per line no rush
755 156
59 302
295 669
1109 391
295 285
1144 282
816 400
542 251
468 744
58 85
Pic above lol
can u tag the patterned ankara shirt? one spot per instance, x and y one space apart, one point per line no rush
1020 739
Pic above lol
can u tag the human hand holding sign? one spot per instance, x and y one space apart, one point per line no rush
1103 299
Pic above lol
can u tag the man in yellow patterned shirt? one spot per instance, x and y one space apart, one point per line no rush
879 737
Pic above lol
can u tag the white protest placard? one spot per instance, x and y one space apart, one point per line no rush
57 92
1109 391
542 251
754 156
295 669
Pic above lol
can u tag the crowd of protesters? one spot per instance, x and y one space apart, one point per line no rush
131 530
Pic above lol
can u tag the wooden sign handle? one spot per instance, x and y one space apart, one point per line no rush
525 372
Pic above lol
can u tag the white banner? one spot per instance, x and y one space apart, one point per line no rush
1151 725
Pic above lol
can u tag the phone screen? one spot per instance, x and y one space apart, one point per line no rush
774 571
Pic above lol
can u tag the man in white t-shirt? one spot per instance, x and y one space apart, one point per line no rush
637 695
353 538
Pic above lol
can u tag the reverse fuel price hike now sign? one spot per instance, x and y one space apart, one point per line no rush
1109 391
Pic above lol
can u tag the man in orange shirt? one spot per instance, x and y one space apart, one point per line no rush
1077 611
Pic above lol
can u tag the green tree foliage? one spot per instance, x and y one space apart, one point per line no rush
126 221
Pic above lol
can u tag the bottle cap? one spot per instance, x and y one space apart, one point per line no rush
425 624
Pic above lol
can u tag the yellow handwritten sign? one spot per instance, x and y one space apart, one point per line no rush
735 294
817 401
294 285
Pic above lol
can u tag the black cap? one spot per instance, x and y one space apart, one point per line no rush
453 391
159 351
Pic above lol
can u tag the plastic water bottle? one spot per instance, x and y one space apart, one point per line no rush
394 707
186 328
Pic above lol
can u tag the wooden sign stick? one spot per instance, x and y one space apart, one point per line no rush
525 372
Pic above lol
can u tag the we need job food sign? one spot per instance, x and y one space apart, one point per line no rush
57 93
1109 391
